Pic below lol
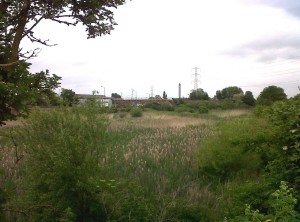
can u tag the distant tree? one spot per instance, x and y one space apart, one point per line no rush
165 96
199 94
116 96
228 92
248 98
68 97
271 94
219 95
95 92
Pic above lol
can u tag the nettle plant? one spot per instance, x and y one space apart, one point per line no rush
285 117
282 208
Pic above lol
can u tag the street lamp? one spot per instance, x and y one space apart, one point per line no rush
104 90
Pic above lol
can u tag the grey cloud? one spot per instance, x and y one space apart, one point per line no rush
290 6
269 49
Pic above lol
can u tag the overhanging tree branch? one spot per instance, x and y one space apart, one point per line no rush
35 24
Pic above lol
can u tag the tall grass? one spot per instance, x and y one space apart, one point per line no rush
163 161
136 169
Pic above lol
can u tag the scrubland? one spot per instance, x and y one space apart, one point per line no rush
79 165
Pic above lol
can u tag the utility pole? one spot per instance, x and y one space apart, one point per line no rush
196 80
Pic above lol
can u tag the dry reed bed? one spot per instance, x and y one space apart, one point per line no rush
161 156
157 120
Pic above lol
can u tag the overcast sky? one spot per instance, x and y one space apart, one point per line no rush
246 43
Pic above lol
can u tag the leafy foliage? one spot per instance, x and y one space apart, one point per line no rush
116 95
17 21
69 97
62 179
228 154
286 163
136 112
199 94
228 92
265 151
282 204
248 98
19 88
271 94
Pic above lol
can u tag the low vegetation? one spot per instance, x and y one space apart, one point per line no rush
88 164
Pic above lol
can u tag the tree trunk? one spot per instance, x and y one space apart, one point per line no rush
20 31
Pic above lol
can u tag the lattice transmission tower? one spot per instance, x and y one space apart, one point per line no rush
196 79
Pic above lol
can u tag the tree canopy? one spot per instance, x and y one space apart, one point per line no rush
116 96
165 96
248 98
18 19
199 94
69 97
271 94
20 88
228 92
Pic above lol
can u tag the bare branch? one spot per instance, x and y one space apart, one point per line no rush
35 24
35 39
64 22
30 54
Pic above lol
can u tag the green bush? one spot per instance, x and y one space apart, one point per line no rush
285 164
61 178
281 208
154 105
203 109
234 150
136 112
262 149
167 107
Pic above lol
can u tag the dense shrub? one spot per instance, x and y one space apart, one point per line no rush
203 109
282 208
262 149
61 177
136 112
234 150
285 165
